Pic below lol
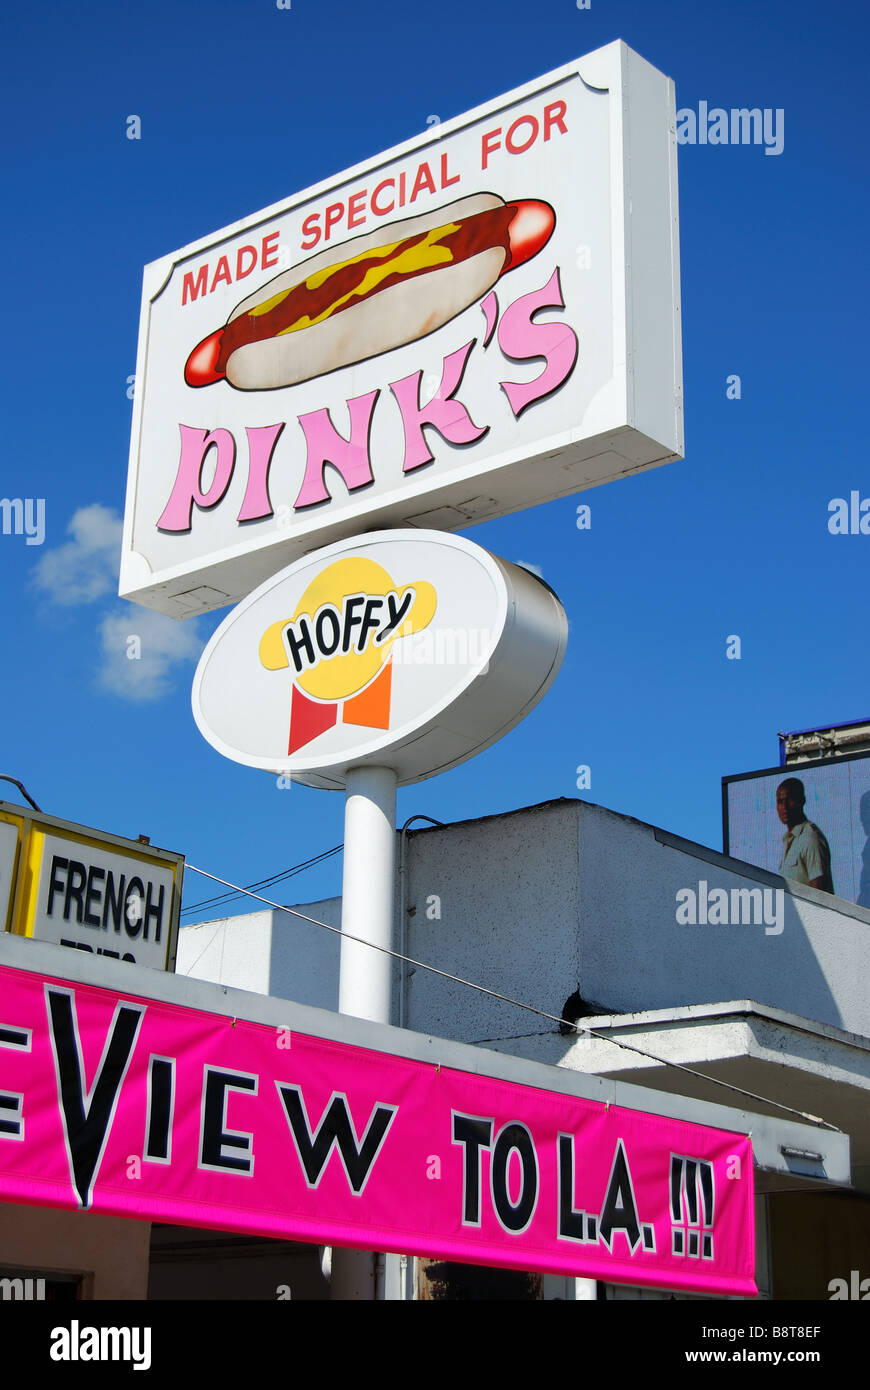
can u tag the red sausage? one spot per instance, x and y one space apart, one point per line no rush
530 229
200 368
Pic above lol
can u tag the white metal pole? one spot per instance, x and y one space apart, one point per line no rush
366 975
367 894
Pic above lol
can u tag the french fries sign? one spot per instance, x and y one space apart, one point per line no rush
480 320
88 890
407 648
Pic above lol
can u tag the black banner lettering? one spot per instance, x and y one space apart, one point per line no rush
336 1129
88 1113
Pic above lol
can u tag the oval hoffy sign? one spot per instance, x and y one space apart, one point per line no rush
411 650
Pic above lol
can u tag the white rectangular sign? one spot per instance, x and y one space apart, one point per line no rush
482 319
111 904
89 890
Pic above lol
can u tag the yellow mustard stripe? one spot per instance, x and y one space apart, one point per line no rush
424 256
270 303
317 279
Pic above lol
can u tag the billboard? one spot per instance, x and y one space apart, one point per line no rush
117 1102
474 322
808 821
83 888
379 651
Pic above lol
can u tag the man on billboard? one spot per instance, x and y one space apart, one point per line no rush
806 854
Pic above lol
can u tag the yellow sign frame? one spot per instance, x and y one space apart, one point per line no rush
33 828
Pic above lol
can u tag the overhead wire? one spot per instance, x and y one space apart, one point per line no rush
576 1026
269 882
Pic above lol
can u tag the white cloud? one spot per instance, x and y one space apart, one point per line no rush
533 569
140 650
86 567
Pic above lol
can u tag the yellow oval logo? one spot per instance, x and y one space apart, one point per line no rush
342 633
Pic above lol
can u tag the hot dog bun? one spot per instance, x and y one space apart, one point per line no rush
371 294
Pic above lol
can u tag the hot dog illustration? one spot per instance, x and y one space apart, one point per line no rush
372 294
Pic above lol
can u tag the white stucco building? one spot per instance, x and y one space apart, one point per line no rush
685 968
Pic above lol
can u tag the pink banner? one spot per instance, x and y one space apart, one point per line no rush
146 1109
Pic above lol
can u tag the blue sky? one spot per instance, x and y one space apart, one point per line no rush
242 104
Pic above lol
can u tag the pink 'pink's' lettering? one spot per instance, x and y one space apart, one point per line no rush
325 445
520 338
261 446
187 488
448 416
